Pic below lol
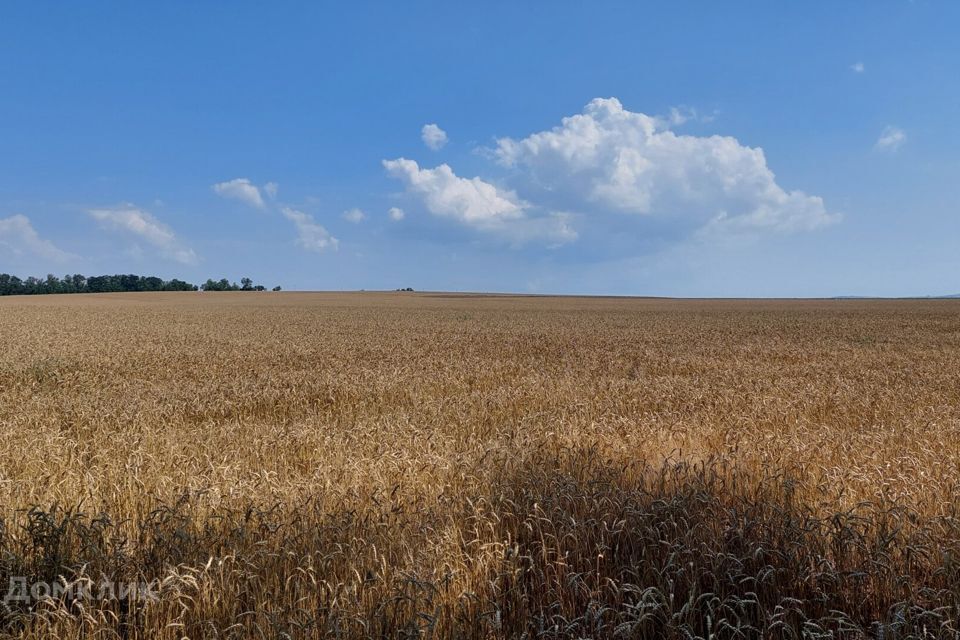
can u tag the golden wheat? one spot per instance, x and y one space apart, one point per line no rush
426 465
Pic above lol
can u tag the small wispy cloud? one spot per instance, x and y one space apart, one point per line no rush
891 139
243 190
681 115
311 236
858 67
141 224
396 214
433 136
18 237
356 216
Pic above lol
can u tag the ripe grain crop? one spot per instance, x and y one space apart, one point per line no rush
453 466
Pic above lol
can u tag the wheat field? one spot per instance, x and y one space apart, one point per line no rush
412 465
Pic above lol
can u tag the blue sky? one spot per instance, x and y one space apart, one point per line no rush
684 148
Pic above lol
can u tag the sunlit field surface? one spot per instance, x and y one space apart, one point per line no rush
451 466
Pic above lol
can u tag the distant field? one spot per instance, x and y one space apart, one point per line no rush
431 465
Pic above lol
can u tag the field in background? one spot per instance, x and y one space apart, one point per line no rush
429 465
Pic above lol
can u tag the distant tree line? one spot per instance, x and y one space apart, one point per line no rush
76 283
246 284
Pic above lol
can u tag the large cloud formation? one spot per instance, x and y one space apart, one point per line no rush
608 161
611 159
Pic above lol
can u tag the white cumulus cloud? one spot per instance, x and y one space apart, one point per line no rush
468 200
891 139
311 236
141 224
18 237
479 204
433 136
396 214
356 216
609 159
271 189
243 190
